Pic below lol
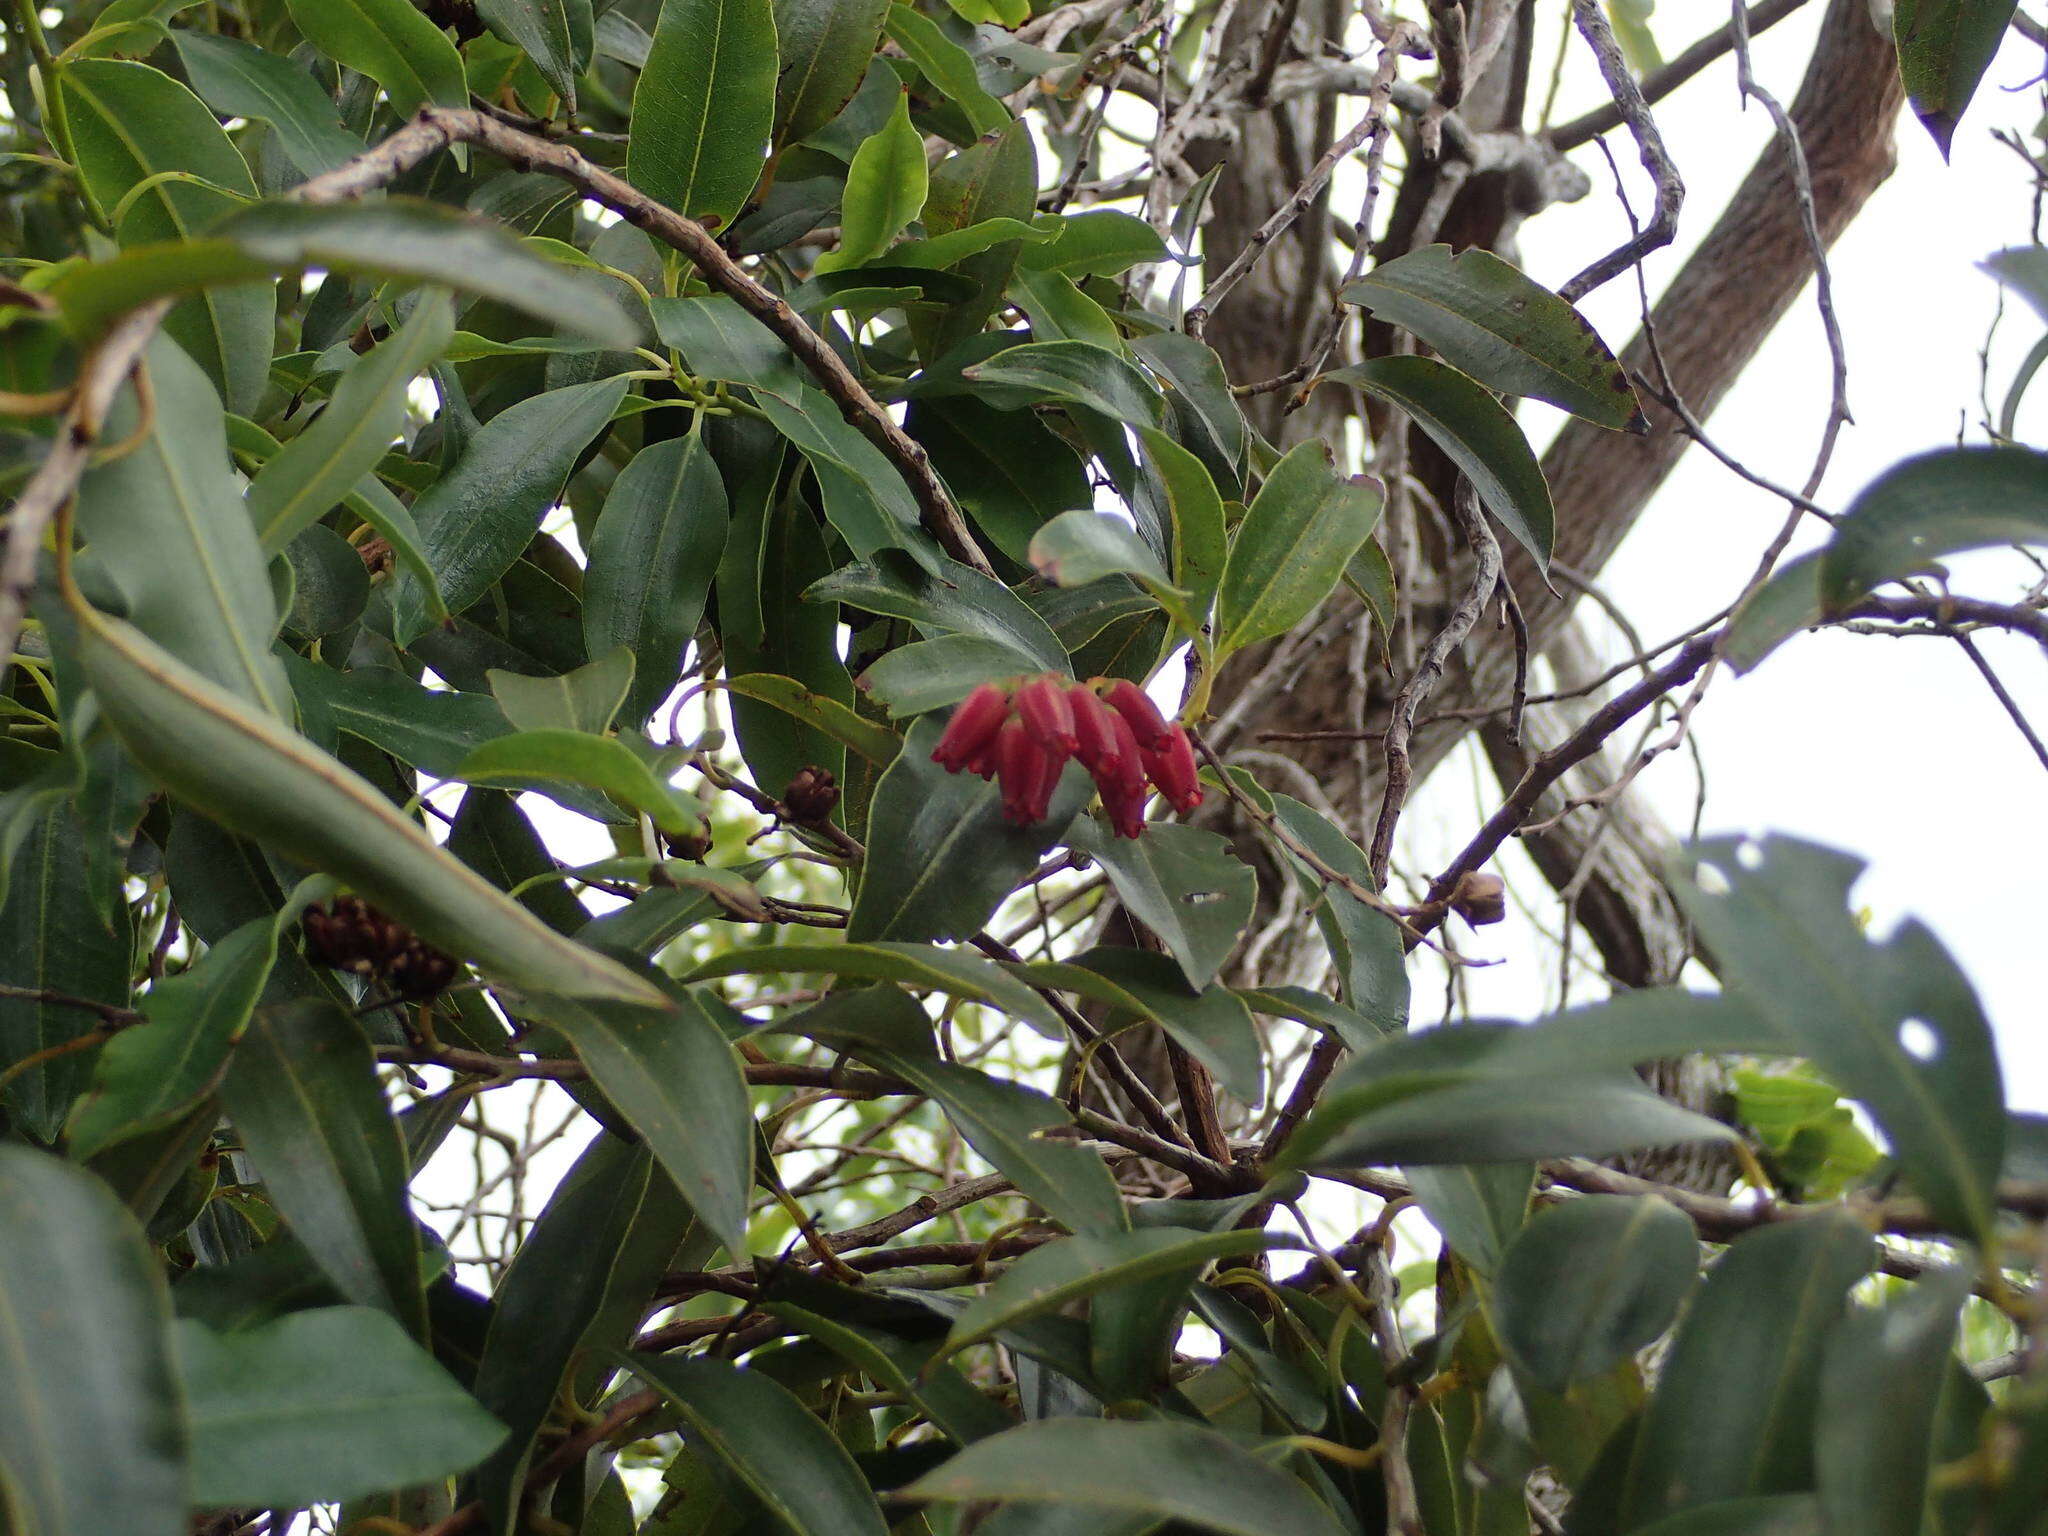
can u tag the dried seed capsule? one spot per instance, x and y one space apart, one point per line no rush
1480 898
1042 703
1136 706
973 727
811 796
1172 768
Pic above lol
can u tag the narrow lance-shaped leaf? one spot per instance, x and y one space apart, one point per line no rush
542 30
704 107
825 47
885 188
390 41
239 79
1944 48
1289 552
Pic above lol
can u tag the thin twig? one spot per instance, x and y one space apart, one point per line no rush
1628 96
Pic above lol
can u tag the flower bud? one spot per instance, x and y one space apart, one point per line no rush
1125 804
1136 706
811 796
1480 898
1020 765
1042 703
1094 732
974 726
1172 768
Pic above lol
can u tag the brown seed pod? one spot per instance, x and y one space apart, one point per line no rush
811 797
1480 898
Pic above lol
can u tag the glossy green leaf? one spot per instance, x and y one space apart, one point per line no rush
1075 372
309 475
477 518
321 1405
1184 884
948 66
1734 1410
1365 944
302 1090
432 729
1937 504
128 125
958 244
85 1365
1476 434
542 759
1287 555
770 1441
1200 545
704 107
885 188
330 584
1165 1470
925 966
1000 1120
1895 1024
238 79
398 237
55 935
1784 1514
1073 1268
166 523
583 701
954 600
653 554
1587 1284
252 776
576 1289
1880 1388
1099 242
1076 548
1479 1207
1944 48
877 743
719 340
154 1074
825 46
865 498
941 857
1513 335
930 674
391 42
543 30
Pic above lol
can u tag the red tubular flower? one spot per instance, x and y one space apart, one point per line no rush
1028 773
1094 732
1126 807
1136 706
1042 703
1172 768
973 728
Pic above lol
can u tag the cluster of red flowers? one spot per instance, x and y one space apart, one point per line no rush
1023 733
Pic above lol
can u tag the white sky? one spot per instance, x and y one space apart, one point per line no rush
1894 749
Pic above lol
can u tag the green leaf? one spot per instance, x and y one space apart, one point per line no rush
885 188
930 674
1895 1024
1200 545
542 759
948 66
302 1090
1365 944
770 1441
432 729
673 1075
391 42
397 237
246 772
95 1438
953 600
166 523
1161 1470
1206 416
1784 1514
925 966
1479 1207
1076 548
576 1289
55 935
1296 538
719 340
651 559
330 584
1587 1284
877 743
1074 1268
129 125
1938 504
1000 1120
238 79
582 701
865 498
477 518
1881 1382
309 475
1076 372
826 46
1944 48
152 1075
1100 242
321 1405
1213 1023
1181 882
1476 434
941 857
956 245
1509 333
704 107
542 30
1734 1410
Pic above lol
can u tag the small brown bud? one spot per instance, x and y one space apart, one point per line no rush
811 797
1480 898
693 845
